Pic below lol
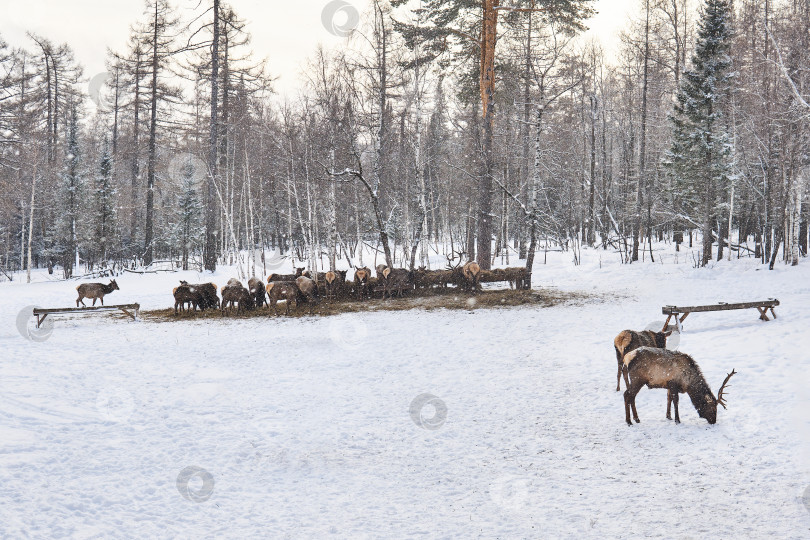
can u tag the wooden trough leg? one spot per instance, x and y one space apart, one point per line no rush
679 321
763 313
41 318
664 329
773 313
128 313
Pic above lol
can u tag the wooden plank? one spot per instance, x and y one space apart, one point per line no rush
673 310
42 311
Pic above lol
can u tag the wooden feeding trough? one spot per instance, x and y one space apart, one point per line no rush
128 309
680 312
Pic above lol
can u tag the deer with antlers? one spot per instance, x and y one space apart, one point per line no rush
678 373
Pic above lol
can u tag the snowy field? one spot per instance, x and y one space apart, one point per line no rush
310 427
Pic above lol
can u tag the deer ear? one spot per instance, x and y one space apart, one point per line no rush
667 333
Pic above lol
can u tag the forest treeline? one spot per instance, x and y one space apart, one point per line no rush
480 130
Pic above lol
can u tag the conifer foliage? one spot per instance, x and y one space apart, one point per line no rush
699 159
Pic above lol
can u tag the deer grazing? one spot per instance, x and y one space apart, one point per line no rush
235 293
335 283
183 295
471 272
95 291
286 277
628 340
205 294
517 276
257 291
282 290
361 276
395 279
426 279
308 292
678 373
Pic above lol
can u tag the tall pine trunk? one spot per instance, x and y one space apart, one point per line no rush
211 210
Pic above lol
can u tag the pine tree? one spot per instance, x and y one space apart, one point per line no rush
190 213
104 215
66 239
699 159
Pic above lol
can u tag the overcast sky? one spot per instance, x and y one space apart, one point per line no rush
285 32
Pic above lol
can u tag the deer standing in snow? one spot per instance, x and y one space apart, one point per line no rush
678 373
95 291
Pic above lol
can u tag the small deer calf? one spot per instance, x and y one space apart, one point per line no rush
95 291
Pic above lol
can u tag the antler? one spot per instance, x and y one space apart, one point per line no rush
455 255
722 387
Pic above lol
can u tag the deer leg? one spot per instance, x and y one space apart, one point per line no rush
619 378
102 300
669 404
630 402
672 394
627 407
94 302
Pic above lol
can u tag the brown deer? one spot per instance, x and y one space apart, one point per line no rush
235 293
318 277
396 279
286 277
308 292
629 340
424 278
471 271
517 276
282 290
257 291
678 373
491 276
95 291
361 276
184 295
205 294
335 282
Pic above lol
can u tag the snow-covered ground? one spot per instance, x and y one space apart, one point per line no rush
310 427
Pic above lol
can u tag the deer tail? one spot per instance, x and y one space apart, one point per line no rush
629 357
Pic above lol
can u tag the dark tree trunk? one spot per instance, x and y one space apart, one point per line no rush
150 173
487 87
211 208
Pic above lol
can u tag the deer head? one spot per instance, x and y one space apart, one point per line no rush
708 408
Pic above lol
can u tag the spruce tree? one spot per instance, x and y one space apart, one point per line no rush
66 238
699 159
190 213
104 214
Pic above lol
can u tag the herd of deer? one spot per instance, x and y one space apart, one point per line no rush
644 360
642 357
306 287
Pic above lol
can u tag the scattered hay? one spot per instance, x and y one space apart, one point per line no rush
428 300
